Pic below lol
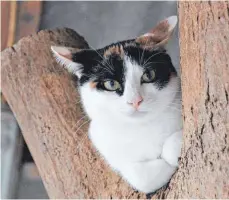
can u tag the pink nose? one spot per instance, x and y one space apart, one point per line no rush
136 102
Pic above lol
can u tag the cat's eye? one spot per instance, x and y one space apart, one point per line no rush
111 85
148 76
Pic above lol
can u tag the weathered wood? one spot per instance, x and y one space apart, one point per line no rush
46 104
204 53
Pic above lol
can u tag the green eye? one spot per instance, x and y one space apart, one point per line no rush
148 76
111 85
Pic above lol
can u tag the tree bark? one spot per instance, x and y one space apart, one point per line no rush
204 54
44 99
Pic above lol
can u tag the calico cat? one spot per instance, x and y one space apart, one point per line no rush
131 92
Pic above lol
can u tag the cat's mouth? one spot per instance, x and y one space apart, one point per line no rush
137 113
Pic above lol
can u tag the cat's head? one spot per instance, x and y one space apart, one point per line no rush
130 78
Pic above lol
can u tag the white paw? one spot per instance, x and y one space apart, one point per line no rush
172 148
148 176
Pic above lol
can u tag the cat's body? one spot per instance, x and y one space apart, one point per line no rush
136 139
127 145
131 93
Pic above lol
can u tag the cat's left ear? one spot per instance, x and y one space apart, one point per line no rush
159 35
64 56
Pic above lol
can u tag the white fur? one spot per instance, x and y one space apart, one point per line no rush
59 53
172 20
144 145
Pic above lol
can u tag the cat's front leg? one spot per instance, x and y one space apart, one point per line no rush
148 176
172 148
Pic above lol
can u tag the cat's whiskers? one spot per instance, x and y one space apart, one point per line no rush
79 127
174 108
169 103
174 91
80 120
177 106
78 102
89 76
153 63
111 63
153 56
138 55
80 143
104 67
143 52
157 102
101 57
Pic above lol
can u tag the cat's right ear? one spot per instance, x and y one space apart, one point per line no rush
64 56
159 35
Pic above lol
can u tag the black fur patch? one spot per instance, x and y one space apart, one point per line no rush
116 72
97 68
156 59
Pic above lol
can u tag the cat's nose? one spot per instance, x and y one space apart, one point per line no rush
136 102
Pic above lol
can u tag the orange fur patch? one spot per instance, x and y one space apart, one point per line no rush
68 56
146 40
93 84
117 49
158 36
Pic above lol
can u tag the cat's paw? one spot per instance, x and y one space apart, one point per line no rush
172 148
148 176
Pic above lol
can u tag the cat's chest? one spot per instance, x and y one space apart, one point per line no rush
130 142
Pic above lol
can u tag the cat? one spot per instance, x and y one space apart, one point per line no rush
130 90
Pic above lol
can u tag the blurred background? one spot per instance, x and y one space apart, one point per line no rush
100 23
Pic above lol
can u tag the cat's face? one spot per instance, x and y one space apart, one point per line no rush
130 78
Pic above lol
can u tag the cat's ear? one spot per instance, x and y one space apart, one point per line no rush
159 35
64 56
